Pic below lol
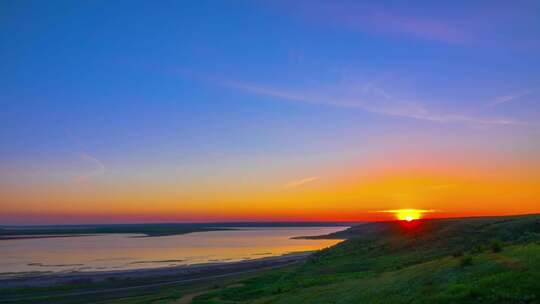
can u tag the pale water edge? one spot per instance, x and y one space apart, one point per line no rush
130 251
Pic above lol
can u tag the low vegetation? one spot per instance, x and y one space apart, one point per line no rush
477 260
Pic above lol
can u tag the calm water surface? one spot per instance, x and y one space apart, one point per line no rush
129 251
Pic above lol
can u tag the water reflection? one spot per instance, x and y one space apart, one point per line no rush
129 251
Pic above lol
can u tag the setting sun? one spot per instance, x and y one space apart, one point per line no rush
408 215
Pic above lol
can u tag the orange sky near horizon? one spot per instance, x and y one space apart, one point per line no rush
337 196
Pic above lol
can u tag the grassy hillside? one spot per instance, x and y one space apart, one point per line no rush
476 260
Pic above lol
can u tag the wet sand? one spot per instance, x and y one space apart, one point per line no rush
157 275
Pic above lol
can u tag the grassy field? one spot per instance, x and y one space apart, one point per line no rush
480 260
472 260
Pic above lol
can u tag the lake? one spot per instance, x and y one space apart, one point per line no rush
129 251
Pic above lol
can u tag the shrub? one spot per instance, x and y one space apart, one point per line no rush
477 249
465 261
496 246
457 254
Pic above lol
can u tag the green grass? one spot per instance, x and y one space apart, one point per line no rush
498 262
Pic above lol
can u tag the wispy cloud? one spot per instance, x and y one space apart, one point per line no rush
380 19
301 182
417 26
442 186
372 99
511 97
94 166
267 91
97 168
472 25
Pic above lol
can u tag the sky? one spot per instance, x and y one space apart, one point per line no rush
163 111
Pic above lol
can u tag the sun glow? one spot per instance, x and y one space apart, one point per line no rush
408 215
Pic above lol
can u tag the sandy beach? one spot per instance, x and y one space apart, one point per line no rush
158 276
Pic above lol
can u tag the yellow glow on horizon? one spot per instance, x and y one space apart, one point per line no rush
374 195
408 215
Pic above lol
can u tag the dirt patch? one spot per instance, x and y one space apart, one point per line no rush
506 261
187 299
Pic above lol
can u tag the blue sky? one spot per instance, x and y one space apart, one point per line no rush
202 91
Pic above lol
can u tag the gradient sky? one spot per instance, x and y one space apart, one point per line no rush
147 111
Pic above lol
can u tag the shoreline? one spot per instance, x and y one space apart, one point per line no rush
30 237
159 275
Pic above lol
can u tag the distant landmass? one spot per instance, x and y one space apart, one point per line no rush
150 230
